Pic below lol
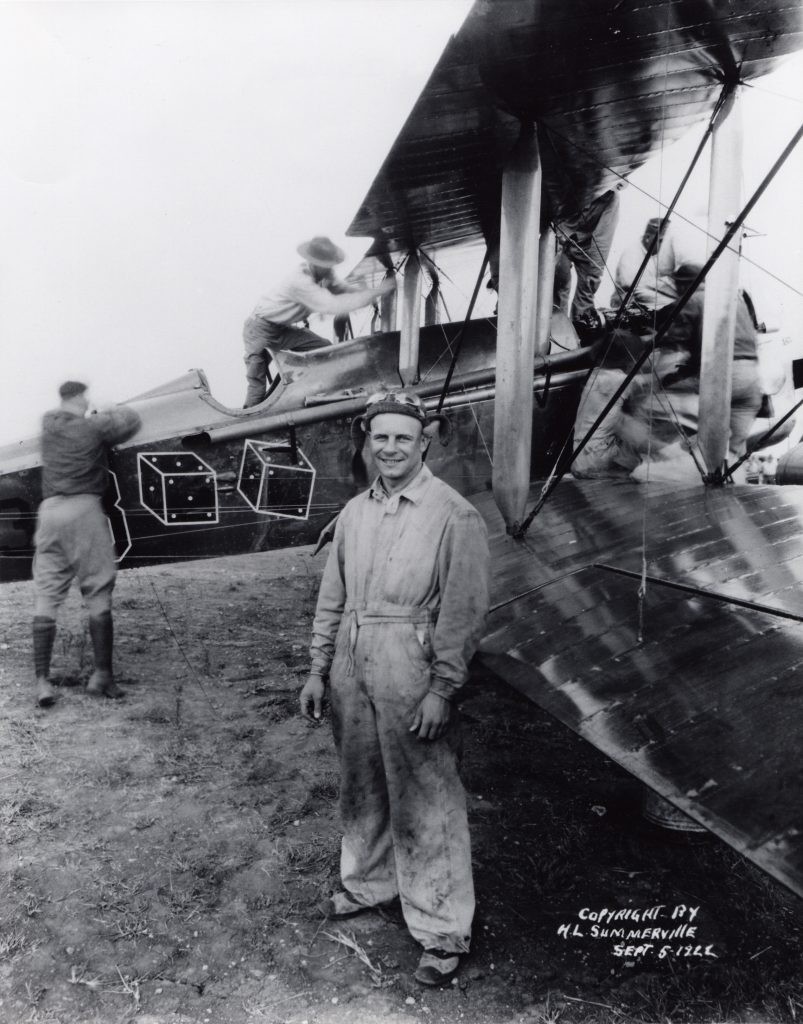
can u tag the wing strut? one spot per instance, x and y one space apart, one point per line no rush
722 292
679 306
410 320
516 325
546 254
547 257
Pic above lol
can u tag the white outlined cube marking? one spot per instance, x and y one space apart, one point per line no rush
178 488
273 483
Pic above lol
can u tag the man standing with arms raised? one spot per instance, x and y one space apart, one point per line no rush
73 539
657 286
401 609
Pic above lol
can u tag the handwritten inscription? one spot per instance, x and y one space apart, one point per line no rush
662 931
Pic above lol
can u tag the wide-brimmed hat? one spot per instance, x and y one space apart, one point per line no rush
321 251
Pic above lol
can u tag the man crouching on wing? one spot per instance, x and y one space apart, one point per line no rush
401 609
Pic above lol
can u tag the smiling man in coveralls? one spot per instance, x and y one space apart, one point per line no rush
401 609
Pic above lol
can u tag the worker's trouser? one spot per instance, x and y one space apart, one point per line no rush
73 540
604 458
260 337
585 243
401 799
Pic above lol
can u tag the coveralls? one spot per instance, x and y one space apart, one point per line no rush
401 609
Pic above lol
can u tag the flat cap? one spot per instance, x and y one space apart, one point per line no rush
71 388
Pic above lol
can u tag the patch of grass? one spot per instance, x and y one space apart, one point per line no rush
72 644
13 943
346 939
727 993
153 716
548 1011
31 904
313 854
23 816
186 901
326 788
30 751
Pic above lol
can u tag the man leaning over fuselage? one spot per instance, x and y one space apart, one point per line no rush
311 288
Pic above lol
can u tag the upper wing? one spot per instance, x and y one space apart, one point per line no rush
607 81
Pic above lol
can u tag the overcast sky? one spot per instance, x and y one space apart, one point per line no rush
160 161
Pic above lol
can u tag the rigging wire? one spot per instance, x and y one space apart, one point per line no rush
735 226
725 92
183 653
730 470
552 483
448 349
462 333
664 397
676 213
653 246
442 299
455 352
771 92
471 405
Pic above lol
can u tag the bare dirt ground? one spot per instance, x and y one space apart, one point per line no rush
162 857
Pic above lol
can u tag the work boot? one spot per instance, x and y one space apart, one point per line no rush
44 633
437 967
46 693
343 904
101 682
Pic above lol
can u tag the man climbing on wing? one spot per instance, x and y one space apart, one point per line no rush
401 609
627 433
687 330
311 288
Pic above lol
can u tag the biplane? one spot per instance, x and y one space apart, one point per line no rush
659 621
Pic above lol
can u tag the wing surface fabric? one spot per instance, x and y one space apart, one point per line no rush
706 707
608 83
